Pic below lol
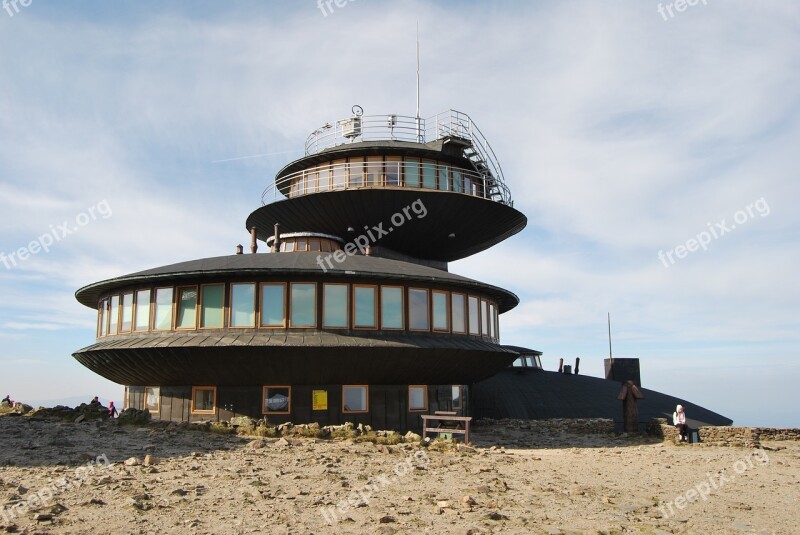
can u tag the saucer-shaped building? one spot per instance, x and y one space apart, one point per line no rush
352 314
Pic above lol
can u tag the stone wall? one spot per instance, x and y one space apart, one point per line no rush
744 437
580 426
772 433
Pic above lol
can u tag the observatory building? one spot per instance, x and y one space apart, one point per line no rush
352 314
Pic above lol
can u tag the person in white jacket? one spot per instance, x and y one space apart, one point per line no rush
679 421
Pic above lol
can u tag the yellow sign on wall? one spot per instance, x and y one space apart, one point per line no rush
319 400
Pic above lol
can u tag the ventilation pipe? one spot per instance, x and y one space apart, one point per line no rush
239 249
276 243
253 241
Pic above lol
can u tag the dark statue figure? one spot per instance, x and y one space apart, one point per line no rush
629 395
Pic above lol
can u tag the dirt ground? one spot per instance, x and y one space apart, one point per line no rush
63 477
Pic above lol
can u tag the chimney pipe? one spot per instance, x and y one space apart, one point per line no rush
577 364
276 243
561 365
239 249
253 241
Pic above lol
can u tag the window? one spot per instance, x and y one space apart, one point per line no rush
334 306
393 170
152 395
356 172
113 315
484 318
126 313
428 175
418 398
187 308
204 399
411 167
101 318
474 326
301 245
354 398
418 319
444 180
519 362
496 324
456 396
441 312
458 308
364 300
492 316
339 173
142 320
458 183
243 305
277 400
273 302
303 305
212 299
163 312
374 171
392 307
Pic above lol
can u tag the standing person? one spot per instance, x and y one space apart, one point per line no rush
95 402
112 410
679 421
7 399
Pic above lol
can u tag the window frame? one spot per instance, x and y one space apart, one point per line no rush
376 298
158 399
366 398
484 318
477 331
155 309
402 308
291 306
464 313
424 397
122 300
136 310
111 315
177 307
447 311
264 391
194 410
201 305
255 305
260 311
427 307
101 318
346 305
460 397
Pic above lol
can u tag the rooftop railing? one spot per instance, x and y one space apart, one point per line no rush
450 124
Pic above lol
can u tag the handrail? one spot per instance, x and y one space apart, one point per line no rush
402 174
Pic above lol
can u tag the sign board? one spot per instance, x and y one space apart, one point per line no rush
319 400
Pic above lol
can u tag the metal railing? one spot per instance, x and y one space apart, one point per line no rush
399 173
392 127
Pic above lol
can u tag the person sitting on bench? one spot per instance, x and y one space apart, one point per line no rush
679 421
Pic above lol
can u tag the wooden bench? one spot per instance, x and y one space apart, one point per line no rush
448 423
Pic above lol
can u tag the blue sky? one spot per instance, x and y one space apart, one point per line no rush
621 134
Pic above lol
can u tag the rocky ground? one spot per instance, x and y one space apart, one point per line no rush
96 476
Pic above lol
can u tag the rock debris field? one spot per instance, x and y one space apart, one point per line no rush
97 476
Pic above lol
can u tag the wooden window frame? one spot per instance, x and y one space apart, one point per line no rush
176 299
362 163
172 314
110 311
366 410
136 310
484 304
425 397
201 305
460 397
122 311
392 159
158 403
264 390
375 318
428 301
261 306
464 313
347 305
214 409
402 308
491 321
255 305
291 306
478 314
447 312
101 318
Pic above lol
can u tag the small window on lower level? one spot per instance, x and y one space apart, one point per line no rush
277 400
152 395
456 397
417 398
204 399
354 398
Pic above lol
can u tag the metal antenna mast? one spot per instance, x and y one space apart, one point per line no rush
610 356
419 129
